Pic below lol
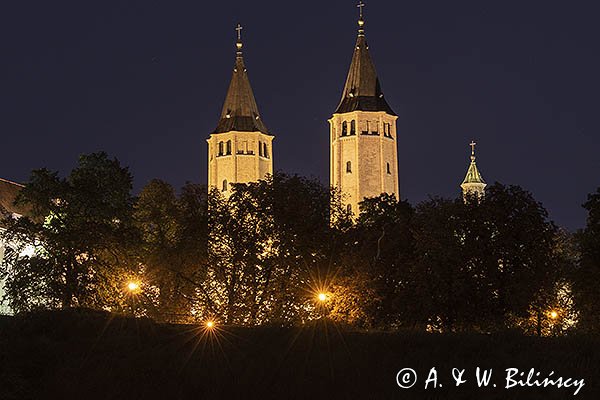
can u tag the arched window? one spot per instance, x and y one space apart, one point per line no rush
228 147
344 128
260 148
265 152
348 167
388 168
224 185
353 127
220 148
387 130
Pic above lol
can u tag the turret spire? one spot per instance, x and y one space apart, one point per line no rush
240 112
473 182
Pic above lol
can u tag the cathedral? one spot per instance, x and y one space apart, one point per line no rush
363 150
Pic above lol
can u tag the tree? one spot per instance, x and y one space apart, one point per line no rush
483 263
524 243
172 250
439 276
270 245
308 219
587 276
378 251
80 228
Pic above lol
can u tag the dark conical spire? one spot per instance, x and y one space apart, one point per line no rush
362 91
240 112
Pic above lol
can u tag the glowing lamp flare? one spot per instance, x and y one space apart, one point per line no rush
210 324
553 314
133 286
322 297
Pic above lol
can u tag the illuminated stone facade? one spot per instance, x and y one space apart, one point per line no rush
364 156
238 157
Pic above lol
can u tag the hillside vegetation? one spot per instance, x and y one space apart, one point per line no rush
95 355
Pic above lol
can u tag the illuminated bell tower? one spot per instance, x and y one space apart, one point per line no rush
473 184
240 148
363 149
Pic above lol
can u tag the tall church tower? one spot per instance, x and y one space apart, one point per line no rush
363 150
473 184
240 148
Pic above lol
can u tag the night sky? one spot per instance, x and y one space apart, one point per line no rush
145 81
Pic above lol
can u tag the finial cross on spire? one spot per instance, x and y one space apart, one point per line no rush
472 144
360 6
239 28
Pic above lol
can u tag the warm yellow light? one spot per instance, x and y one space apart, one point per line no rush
553 314
133 286
322 297
210 324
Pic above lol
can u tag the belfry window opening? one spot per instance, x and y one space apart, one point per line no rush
370 128
387 129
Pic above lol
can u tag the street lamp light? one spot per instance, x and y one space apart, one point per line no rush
210 324
133 286
553 314
322 297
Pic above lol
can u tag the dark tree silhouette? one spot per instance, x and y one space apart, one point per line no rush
587 276
265 253
172 252
482 264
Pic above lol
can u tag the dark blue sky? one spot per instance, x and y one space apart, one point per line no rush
145 81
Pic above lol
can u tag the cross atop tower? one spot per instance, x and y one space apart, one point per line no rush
239 28
360 6
472 144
